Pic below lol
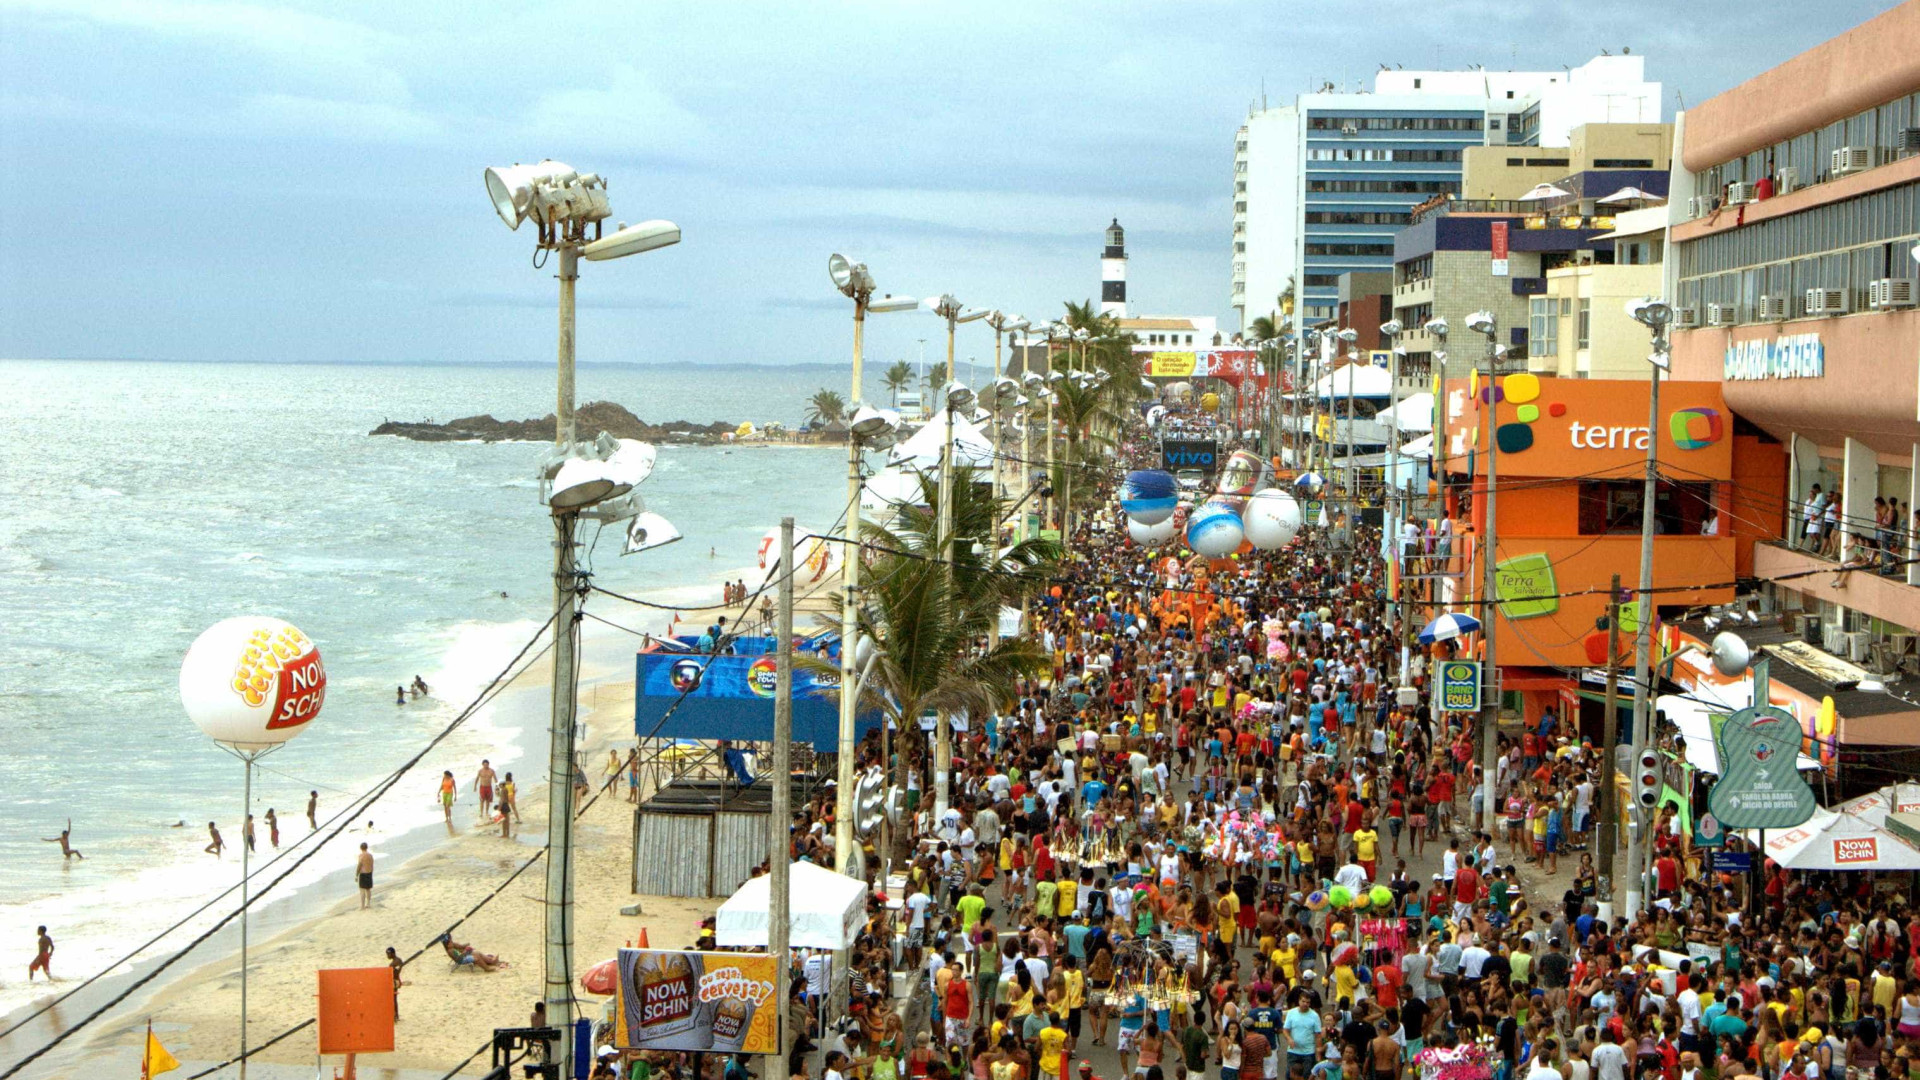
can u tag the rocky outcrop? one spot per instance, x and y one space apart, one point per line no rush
590 419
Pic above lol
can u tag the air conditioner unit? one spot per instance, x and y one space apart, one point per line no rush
1891 293
1773 308
1739 193
1828 301
1883 658
1908 140
1686 317
1722 314
1786 180
1834 639
1349 129
1859 646
1853 159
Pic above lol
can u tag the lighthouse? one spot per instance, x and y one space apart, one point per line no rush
1113 273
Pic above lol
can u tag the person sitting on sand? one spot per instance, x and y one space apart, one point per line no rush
465 956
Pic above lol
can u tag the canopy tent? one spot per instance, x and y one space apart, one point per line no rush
825 911
1694 719
1368 382
1541 192
972 449
1877 806
1421 447
889 489
1412 413
1835 841
1630 194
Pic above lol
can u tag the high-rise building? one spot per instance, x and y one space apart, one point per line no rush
1322 185
1113 272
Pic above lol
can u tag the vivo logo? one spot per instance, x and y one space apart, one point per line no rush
1183 457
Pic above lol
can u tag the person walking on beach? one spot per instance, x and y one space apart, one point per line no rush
43 957
364 867
65 840
218 845
510 793
447 790
394 962
273 829
313 808
483 780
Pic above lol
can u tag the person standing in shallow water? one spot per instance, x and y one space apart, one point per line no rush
273 829
363 868
217 845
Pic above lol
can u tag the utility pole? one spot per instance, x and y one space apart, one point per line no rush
1654 315
1489 609
780 815
1609 803
846 748
558 988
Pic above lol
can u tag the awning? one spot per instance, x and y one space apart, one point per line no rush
1836 841
826 911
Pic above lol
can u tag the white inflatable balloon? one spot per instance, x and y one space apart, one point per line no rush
1215 530
252 681
1272 519
1157 533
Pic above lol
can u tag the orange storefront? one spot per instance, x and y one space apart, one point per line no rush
1570 482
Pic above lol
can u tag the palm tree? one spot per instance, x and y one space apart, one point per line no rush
898 377
928 622
826 407
1081 412
1262 329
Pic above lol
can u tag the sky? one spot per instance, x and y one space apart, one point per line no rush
302 182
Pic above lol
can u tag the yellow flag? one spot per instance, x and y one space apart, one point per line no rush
157 1060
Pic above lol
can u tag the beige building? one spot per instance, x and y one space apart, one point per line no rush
1579 328
1508 172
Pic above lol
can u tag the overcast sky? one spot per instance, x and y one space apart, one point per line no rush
302 182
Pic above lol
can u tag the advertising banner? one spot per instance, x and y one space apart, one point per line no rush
704 1001
1499 249
1460 686
1179 454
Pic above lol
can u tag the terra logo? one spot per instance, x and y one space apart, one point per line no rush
1694 429
763 676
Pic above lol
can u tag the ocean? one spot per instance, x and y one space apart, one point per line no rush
146 501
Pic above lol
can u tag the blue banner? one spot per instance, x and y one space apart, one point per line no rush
731 697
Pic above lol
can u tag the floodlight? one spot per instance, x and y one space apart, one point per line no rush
1731 654
581 482
1021 402
1653 314
873 426
1481 322
841 271
1005 389
980 416
892 303
970 314
1390 327
1015 323
511 188
1348 335
1033 380
959 396
1081 335
1437 327
632 240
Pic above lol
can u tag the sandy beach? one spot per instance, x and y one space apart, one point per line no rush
445 1014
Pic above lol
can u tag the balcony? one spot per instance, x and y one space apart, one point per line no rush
1883 597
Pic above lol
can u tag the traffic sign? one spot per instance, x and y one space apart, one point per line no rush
1707 831
1732 862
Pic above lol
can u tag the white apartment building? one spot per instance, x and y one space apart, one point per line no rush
1322 185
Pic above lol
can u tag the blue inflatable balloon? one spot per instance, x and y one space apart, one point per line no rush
1215 530
1149 496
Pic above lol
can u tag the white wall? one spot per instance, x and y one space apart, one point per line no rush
1274 178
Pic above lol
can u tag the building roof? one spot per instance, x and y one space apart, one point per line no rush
1156 322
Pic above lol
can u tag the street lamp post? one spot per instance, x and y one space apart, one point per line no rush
958 398
1391 331
1654 315
566 205
855 283
1484 323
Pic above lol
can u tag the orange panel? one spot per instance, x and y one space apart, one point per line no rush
356 1011
1588 428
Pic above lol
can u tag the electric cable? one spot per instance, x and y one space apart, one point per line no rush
237 1058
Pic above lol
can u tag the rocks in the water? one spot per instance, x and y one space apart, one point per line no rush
590 420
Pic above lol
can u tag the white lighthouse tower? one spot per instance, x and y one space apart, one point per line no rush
1113 273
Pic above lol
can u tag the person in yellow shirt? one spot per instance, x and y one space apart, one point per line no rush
1075 983
1345 982
1287 959
1366 849
1053 1049
1064 894
1227 909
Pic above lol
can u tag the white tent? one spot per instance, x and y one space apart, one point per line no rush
888 490
1901 798
1836 841
826 912
971 447
1421 447
1629 194
1368 382
1412 413
1696 729
1540 192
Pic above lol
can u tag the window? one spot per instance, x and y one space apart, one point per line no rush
1240 206
1538 163
1396 123
1323 280
1414 271
1239 247
1416 84
1543 327
1623 163
1582 322
1349 249
1493 125
1612 507
1189 339
1399 187
1509 95
1357 217
1240 187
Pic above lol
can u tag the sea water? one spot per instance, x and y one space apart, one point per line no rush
142 502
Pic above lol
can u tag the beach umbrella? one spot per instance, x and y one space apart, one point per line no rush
1310 482
1448 627
602 978
1540 192
1629 194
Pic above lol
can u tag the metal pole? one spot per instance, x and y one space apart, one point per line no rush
1609 804
1395 543
1353 475
846 750
1050 397
1489 612
943 729
558 991
780 815
245 862
1642 643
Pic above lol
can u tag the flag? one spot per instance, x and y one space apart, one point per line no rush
156 1060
